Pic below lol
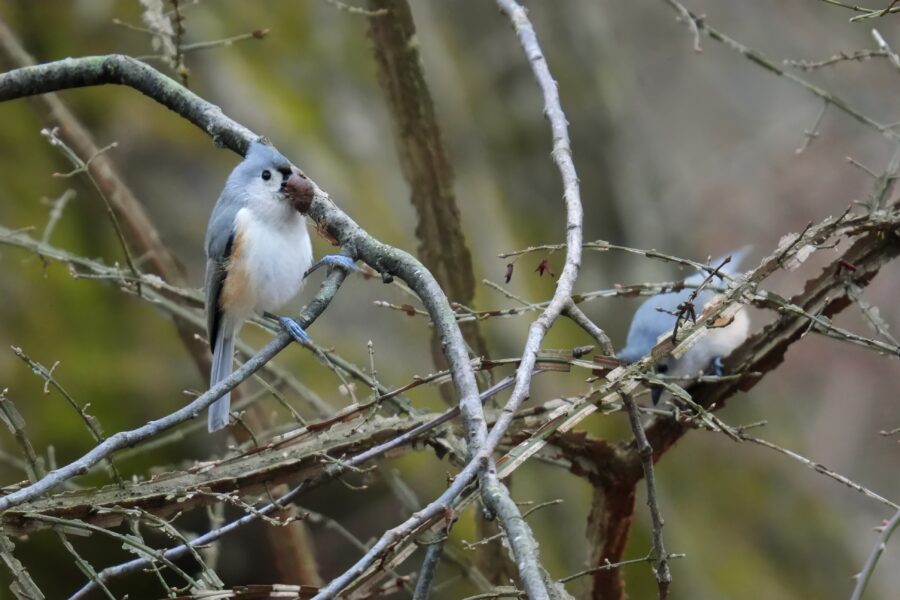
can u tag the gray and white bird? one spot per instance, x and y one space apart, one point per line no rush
258 251
649 324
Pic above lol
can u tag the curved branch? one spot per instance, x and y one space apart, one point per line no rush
123 70
862 580
118 69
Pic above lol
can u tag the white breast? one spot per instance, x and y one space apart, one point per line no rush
720 341
277 254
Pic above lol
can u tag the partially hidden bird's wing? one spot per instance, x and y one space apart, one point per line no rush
219 242
215 276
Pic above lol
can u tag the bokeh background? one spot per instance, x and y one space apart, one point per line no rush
692 154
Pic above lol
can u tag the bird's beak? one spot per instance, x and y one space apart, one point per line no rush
298 190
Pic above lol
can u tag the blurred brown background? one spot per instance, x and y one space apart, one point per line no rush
692 154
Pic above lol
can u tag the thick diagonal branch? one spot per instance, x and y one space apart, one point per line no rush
123 70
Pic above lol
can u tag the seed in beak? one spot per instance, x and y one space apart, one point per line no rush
299 190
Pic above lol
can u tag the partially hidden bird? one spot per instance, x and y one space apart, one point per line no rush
258 251
657 317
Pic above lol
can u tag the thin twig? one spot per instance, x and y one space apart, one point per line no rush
12 418
429 568
56 211
645 451
813 132
819 468
884 47
689 21
757 58
332 470
859 56
125 439
862 579
90 421
650 558
83 166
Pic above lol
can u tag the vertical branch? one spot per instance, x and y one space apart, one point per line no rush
645 451
862 580
494 493
423 159
442 244
429 568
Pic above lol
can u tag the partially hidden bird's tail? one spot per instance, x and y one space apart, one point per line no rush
223 357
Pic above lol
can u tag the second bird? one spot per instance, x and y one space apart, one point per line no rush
706 355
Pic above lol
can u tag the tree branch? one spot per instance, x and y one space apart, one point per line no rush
862 579
124 439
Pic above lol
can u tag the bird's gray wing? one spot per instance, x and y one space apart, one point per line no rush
219 241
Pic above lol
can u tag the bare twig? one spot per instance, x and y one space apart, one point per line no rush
819 468
12 418
813 132
862 579
873 13
858 56
125 439
258 34
496 497
760 60
645 451
886 49
573 312
688 20
429 568
83 166
56 211
23 585
90 421
607 566
332 470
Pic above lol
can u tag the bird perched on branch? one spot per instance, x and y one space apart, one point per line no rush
659 314
258 252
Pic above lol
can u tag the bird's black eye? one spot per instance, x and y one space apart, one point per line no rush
267 175
661 368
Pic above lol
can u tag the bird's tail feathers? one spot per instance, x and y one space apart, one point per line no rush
223 358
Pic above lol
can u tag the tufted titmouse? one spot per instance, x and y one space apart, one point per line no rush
649 324
258 251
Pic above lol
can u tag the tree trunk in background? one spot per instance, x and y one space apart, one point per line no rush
442 245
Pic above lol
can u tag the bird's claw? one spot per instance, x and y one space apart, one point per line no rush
294 329
333 261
